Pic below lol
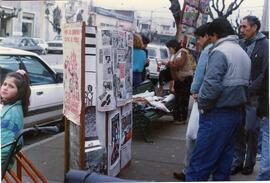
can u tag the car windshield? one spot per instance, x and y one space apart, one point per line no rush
11 40
152 52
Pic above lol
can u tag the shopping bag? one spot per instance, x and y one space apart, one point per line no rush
193 123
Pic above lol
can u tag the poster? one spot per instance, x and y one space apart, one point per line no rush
126 134
202 19
115 60
190 15
204 6
94 152
194 3
72 44
114 143
105 99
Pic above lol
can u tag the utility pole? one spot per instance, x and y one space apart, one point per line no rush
265 16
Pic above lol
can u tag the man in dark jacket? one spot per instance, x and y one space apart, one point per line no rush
220 100
256 46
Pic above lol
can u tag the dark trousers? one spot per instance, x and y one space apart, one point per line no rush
213 151
182 93
137 79
247 137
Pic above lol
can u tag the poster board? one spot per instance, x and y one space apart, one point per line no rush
94 138
73 49
115 60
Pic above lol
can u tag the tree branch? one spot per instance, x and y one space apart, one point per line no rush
233 6
223 5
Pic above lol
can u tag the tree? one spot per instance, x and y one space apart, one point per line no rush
222 11
217 9
56 19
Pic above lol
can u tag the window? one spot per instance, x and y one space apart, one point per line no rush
8 64
163 54
37 72
152 53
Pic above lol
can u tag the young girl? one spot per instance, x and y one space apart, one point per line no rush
15 93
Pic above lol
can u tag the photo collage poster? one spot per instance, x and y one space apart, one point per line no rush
115 60
114 142
126 134
94 151
72 44
195 14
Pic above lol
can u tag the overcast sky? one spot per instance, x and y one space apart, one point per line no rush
160 7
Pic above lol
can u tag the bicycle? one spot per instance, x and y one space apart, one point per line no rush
22 161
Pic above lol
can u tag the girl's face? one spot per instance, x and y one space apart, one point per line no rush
8 90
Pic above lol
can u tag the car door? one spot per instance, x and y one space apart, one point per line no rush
46 92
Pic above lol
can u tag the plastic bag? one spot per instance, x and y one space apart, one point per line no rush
193 123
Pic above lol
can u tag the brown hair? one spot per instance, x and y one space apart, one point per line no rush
137 41
24 91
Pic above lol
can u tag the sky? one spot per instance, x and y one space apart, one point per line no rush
159 8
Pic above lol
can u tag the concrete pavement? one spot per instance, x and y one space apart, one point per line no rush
150 161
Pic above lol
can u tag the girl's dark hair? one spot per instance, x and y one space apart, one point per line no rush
253 20
202 30
173 43
24 91
220 26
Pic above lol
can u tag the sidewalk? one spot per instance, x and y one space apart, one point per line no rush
150 161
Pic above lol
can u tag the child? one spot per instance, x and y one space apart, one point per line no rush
15 93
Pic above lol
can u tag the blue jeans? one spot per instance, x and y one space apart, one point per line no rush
265 164
213 152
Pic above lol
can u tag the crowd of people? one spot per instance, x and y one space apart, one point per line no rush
230 88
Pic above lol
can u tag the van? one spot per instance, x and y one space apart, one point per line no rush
156 53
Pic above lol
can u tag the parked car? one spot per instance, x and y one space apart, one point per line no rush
156 53
23 43
46 100
40 42
56 45
1 39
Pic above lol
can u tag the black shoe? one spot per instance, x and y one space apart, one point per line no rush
236 169
247 171
180 176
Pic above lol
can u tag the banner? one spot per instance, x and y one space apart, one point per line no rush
72 55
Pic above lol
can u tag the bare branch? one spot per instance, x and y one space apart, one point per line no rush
223 5
233 6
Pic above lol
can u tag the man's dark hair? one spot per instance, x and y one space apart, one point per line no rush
173 43
145 39
220 26
202 30
253 20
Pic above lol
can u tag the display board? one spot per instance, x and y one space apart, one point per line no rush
98 133
194 14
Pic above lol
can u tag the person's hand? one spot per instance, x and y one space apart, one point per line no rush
194 96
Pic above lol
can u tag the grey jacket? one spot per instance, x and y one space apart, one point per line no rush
227 75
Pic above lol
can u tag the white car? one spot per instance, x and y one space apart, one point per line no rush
46 100
156 53
40 42
56 45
